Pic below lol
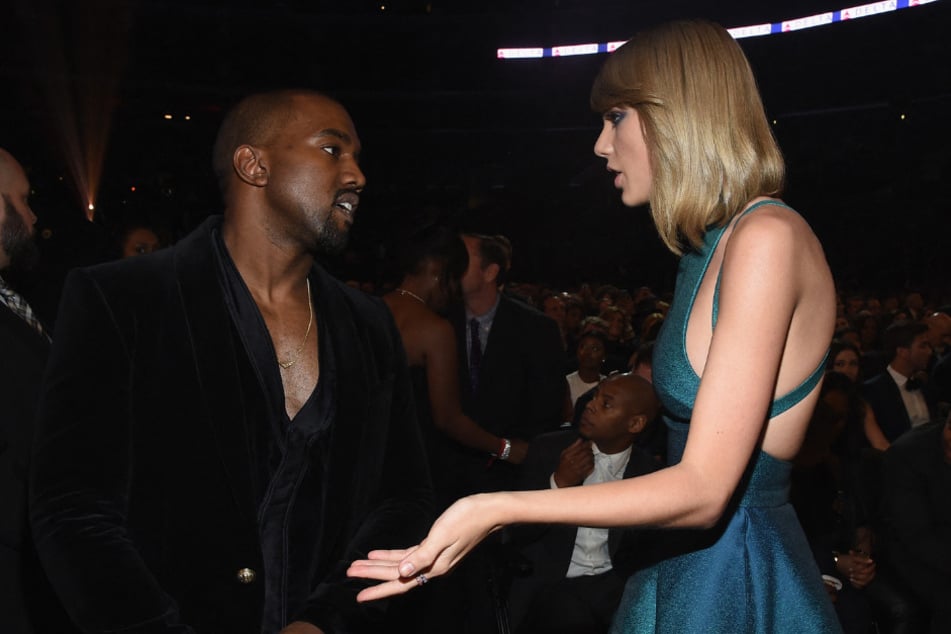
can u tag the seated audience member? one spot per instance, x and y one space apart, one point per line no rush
553 305
654 438
590 354
870 332
836 502
620 339
917 510
642 361
594 324
625 301
896 395
939 335
914 305
650 326
854 304
578 573
606 297
574 313
940 386
138 239
851 335
643 293
939 369
844 359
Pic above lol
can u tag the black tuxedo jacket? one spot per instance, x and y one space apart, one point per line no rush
521 388
549 546
141 487
884 397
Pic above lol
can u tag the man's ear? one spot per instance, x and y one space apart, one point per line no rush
249 166
637 424
491 273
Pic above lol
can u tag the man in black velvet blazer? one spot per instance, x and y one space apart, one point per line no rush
888 394
26 602
577 573
224 426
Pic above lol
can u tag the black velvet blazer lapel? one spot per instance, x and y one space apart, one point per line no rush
356 383
215 355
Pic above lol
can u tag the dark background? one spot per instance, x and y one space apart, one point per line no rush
452 133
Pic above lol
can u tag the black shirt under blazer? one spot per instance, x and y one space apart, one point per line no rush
143 504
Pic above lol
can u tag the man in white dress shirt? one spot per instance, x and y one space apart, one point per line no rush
897 396
578 573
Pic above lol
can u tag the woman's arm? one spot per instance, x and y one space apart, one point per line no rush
760 290
873 433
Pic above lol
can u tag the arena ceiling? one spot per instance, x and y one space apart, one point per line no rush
452 131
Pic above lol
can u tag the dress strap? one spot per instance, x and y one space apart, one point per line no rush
801 391
786 401
716 290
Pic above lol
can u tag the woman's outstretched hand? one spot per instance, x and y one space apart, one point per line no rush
453 536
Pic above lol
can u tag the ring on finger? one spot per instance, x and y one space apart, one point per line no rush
421 580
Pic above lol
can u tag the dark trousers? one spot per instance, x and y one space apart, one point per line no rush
579 605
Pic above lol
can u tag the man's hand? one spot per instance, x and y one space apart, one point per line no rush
859 568
299 627
577 462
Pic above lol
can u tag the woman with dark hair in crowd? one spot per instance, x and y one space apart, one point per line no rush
836 490
844 357
619 339
433 262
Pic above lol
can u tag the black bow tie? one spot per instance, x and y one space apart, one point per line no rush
913 384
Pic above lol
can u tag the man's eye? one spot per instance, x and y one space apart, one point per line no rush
332 150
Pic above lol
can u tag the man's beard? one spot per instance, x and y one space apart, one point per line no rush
332 239
16 239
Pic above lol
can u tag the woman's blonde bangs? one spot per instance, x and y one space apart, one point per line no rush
710 144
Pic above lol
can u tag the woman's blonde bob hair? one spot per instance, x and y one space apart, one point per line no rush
711 148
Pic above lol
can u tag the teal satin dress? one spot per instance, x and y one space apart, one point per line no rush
753 572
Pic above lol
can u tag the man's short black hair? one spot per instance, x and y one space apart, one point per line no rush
901 334
254 120
592 334
495 249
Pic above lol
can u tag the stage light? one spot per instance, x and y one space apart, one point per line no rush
754 30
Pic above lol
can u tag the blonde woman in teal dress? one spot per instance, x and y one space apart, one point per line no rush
737 364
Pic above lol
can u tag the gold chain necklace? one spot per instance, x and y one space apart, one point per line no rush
403 291
285 365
